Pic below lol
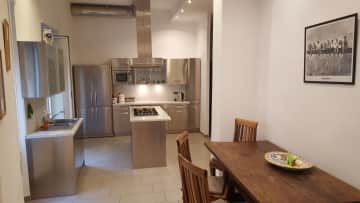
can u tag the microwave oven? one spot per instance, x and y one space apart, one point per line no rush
123 76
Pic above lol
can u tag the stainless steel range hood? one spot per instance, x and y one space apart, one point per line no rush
144 42
85 9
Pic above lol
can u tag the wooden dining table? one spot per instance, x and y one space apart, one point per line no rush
259 181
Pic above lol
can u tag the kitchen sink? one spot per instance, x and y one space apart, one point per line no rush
62 124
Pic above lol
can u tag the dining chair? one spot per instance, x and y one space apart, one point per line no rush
217 184
245 131
196 182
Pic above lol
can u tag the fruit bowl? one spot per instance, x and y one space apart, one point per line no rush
287 161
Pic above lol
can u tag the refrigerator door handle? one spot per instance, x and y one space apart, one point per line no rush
95 98
91 98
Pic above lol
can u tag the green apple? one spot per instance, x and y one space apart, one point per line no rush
291 158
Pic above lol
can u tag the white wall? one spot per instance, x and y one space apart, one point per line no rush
30 14
98 39
259 50
320 122
10 169
236 36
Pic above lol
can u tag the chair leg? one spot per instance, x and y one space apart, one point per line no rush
212 170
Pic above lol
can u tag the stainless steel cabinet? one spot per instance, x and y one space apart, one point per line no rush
177 71
179 117
54 165
121 117
42 69
194 117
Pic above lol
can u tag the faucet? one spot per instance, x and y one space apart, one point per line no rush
53 116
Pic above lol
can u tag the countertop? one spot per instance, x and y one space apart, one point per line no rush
162 115
55 133
150 103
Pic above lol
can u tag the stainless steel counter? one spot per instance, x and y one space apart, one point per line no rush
55 163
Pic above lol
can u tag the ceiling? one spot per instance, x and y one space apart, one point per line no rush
195 10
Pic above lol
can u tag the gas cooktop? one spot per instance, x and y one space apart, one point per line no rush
148 111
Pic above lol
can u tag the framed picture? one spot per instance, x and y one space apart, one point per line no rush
6 32
330 51
2 91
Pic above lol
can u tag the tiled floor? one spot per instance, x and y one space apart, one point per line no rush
108 177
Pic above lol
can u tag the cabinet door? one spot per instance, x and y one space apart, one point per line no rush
122 124
176 71
89 118
194 117
179 118
103 122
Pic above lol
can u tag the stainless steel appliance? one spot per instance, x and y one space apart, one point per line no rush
193 92
93 99
42 74
145 111
121 71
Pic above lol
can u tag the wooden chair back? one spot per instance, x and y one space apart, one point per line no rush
182 141
195 182
245 130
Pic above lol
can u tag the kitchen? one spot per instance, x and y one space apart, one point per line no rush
101 103
110 97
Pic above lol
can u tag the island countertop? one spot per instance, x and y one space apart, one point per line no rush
144 103
56 133
162 115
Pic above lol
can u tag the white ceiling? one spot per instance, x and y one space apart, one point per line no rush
194 10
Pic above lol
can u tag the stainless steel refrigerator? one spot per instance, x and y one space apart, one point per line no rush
193 92
93 99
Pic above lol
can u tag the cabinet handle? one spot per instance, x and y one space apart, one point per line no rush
179 111
125 113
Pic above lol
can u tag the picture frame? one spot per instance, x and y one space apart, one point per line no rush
330 51
6 33
2 91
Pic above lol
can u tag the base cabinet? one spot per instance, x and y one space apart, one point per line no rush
194 118
122 125
179 114
55 164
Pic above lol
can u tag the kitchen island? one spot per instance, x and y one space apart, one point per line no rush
148 124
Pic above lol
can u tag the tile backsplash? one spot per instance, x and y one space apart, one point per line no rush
39 108
158 92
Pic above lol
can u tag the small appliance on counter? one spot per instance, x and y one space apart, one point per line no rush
121 98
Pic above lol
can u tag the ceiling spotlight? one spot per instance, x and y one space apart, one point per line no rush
189 1
182 10
176 17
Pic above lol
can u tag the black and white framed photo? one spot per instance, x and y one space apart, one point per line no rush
330 51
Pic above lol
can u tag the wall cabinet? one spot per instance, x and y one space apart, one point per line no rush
179 114
42 69
177 71
122 124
